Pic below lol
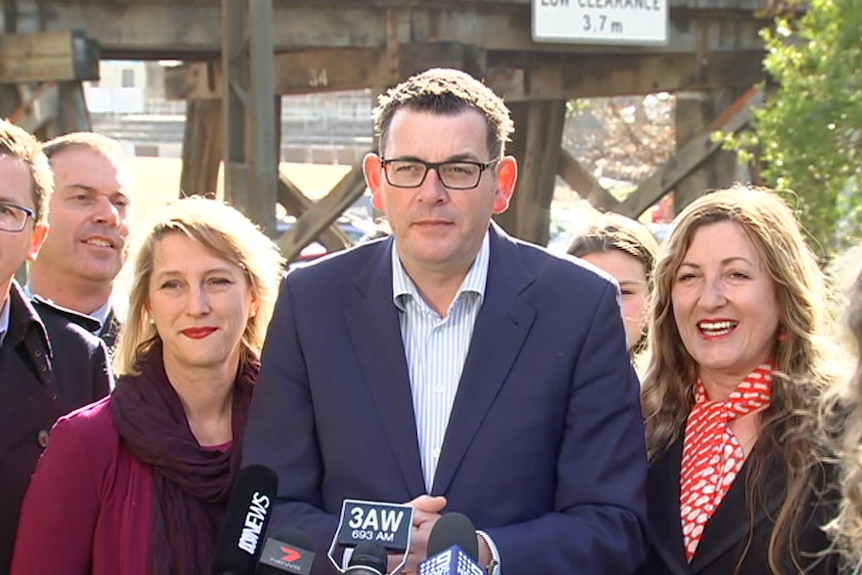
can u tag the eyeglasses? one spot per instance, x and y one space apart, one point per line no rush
13 218
460 175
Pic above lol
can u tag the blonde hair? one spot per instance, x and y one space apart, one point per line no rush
841 422
228 234
802 359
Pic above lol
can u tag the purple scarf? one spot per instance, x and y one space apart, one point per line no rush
192 484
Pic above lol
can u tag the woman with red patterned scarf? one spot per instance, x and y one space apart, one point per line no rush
738 360
138 483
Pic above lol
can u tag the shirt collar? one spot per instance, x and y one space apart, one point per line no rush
474 282
100 314
4 319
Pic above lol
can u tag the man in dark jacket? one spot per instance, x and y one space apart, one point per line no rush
90 214
49 363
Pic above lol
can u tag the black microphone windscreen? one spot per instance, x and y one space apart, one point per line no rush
248 512
369 558
453 529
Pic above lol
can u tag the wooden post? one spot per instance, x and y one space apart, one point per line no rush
250 156
536 145
694 112
202 147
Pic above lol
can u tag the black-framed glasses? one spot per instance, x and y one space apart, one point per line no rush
13 218
456 175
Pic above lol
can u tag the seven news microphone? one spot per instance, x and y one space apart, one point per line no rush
239 550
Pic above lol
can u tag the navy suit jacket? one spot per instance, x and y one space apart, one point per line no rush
545 445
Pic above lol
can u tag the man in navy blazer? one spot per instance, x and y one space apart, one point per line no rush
453 367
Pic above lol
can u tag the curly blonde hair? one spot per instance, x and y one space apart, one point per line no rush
841 422
802 359
225 232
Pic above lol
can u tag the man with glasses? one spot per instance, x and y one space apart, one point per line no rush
90 215
49 364
453 367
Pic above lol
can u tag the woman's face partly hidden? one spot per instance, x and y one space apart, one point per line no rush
200 304
725 303
631 275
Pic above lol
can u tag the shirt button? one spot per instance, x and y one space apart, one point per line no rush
43 438
436 453
438 389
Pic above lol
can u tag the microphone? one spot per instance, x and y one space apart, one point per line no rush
452 548
388 525
288 551
369 558
248 512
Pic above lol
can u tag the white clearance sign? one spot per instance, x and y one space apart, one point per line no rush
600 21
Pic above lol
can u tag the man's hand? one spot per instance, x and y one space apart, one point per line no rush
427 513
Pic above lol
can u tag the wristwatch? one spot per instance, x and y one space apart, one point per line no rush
493 566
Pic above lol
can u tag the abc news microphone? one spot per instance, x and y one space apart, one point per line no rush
387 525
452 548
248 513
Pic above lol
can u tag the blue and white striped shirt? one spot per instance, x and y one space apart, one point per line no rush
4 319
436 348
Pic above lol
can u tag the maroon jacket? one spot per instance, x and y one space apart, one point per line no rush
89 509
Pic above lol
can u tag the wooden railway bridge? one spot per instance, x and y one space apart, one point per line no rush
239 55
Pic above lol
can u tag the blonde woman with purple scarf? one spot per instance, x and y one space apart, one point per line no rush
138 482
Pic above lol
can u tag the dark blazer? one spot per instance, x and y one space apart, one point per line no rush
544 448
49 366
728 533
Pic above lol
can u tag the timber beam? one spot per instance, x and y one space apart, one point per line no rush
691 155
186 30
296 203
585 184
323 213
578 76
537 146
64 56
331 69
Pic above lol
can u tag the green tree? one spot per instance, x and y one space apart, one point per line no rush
809 132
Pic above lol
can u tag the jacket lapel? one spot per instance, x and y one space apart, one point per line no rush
501 328
373 325
731 522
665 524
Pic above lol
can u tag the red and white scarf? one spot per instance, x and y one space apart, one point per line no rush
712 455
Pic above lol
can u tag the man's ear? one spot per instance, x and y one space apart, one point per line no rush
507 178
372 167
40 232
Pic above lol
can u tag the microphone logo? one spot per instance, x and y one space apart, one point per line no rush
453 561
290 555
387 524
255 520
